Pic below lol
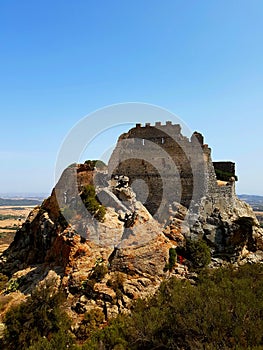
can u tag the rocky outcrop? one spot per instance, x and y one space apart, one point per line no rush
106 263
233 235
88 255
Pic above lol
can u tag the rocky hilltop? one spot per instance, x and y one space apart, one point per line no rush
106 241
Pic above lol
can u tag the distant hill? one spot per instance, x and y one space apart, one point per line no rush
255 201
19 202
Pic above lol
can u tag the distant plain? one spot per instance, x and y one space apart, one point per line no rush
11 218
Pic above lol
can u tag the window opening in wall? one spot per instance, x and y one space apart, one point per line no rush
162 140
143 142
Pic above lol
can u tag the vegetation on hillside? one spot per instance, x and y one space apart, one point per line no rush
10 217
91 203
172 260
19 202
196 252
96 209
38 323
223 310
98 164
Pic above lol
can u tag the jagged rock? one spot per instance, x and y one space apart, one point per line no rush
145 260
112 310
125 194
109 199
177 211
84 255
105 291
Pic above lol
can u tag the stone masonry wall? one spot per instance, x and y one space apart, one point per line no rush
164 166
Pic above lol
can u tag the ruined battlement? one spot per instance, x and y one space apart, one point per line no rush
158 132
173 166
159 124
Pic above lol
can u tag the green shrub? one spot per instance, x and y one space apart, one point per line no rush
88 192
13 285
198 253
222 311
99 272
92 204
172 260
99 164
60 341
39 317
114 336
90 323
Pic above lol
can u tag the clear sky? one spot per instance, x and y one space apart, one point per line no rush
61 60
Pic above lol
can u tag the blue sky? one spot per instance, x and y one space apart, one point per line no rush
61 60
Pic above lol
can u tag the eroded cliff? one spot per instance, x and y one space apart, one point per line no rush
104 247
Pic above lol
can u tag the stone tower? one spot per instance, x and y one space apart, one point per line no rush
164 167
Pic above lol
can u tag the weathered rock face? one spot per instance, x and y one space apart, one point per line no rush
108 263
233 235
88 255
196 197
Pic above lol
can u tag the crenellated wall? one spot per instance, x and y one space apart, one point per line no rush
172 166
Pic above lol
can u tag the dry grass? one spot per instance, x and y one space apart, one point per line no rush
9 226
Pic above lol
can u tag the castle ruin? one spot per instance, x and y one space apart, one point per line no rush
165 166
